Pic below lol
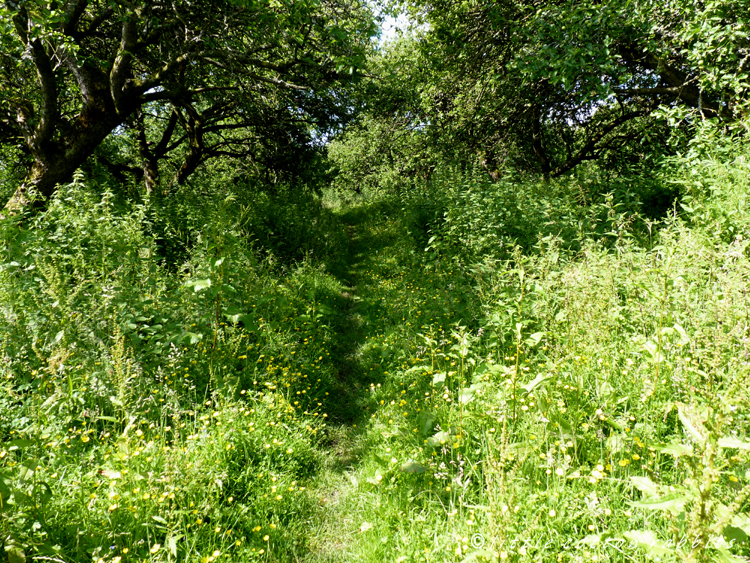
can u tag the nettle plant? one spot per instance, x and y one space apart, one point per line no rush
699 491
704 511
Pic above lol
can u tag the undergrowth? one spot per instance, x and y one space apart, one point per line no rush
159 410
561 382
468 371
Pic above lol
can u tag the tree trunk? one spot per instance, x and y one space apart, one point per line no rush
57 168
487 161
149 161
56 160
194 157
189 165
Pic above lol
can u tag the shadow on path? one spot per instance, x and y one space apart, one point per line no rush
354 321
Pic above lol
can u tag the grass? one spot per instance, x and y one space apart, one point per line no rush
402 388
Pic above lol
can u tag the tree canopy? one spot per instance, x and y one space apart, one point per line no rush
531 85
188 77
545 86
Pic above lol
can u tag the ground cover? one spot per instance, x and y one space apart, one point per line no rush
389 389
573 400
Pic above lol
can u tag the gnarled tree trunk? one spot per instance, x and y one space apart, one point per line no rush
55 161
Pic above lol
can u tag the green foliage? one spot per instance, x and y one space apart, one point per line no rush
389 147
219 479
485 220
575 397
458 368
468 218
546 87
173 86
712 177
292 224
171 410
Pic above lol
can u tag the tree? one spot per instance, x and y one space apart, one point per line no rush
73 72
268 134
547 85
388 143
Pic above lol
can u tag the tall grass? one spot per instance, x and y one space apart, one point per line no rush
468 371
154 409
562 381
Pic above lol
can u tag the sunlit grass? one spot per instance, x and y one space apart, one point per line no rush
568 400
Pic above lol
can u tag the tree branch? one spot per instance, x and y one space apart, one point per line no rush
161 149
48 85
588 150
276 82
94 25
143 86
119 170
649 91
73 14
682 85
45 127
121 67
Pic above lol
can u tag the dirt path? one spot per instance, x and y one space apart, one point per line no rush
345 440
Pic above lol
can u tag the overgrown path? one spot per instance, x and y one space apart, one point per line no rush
302 384
354 326
382 301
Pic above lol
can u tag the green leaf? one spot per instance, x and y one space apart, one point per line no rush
672 502
735 534
742 521
15 554
559 423
534 383
380 461
684 339
26 470
692 423
439 439
426 422
439 379
467 395
653 351
191 337
645 485
413 467
534 339
675 449
591 539
172 545
111 474
19 444
5 490
613 423
198 285
648 541
724 556
109 418
734 443
249 322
